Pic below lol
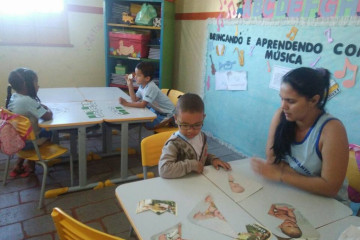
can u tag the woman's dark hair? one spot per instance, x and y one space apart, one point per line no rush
306 82
19 79
147 68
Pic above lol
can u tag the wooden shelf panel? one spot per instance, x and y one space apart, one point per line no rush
133 26
135 59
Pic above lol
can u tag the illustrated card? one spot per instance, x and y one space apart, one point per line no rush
233 184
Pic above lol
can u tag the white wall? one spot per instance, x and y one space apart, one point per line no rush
80 65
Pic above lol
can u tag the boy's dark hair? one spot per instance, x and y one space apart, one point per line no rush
147 68
306 82
20 78
190 102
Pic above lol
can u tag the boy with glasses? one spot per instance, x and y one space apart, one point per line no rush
186 150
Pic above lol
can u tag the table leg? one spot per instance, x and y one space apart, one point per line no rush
82 156
124 149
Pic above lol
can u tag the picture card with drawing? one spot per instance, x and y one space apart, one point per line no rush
232 183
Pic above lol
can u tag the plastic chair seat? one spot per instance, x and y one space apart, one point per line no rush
47 150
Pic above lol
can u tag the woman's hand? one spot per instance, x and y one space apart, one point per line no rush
267 170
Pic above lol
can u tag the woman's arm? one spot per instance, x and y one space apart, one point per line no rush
270 157
334 148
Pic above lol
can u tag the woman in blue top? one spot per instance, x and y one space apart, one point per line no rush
306 147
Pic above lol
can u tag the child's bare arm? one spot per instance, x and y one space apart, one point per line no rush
140 104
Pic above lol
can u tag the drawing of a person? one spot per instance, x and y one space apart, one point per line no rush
289 226
234 186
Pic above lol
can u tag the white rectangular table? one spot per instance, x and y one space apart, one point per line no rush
69 115
335 229
317 209
186 192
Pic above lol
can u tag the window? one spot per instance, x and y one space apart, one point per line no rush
36 22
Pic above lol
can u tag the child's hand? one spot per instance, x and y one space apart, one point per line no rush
129 79
122 101
218 163
200 168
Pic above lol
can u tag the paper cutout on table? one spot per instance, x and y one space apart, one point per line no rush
333 90
231 80
315 62
207 215
213 69
240 56
350 233
227 65
277 74
91 110
328 35
341 73
157 206
208 83
292 223
222 178
255 231
268 66
219 18
173 233
119 110
292 34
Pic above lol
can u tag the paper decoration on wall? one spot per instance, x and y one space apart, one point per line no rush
251 50
173 233
292 34
292 223
315 62
341 73
334 89
207 215
268 66
208 83
240 56
213 69
220 49
231 80
218 19
226 66
328 35
236 186
276 78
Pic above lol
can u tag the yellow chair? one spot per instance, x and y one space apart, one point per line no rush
151 148
69 228
43 154
353 173
174 96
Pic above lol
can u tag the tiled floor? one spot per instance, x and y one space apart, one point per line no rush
20 218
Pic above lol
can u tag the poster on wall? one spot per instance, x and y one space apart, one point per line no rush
255 53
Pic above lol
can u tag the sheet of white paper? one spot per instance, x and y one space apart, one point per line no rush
351 233
221 179
277 73
231 80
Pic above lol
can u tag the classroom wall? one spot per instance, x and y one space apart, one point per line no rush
190 42
246 130
83 64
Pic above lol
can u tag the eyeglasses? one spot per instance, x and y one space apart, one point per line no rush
195 126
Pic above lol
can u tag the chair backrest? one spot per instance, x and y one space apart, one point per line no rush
69 228
21 123
151 148
173 94
353 172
